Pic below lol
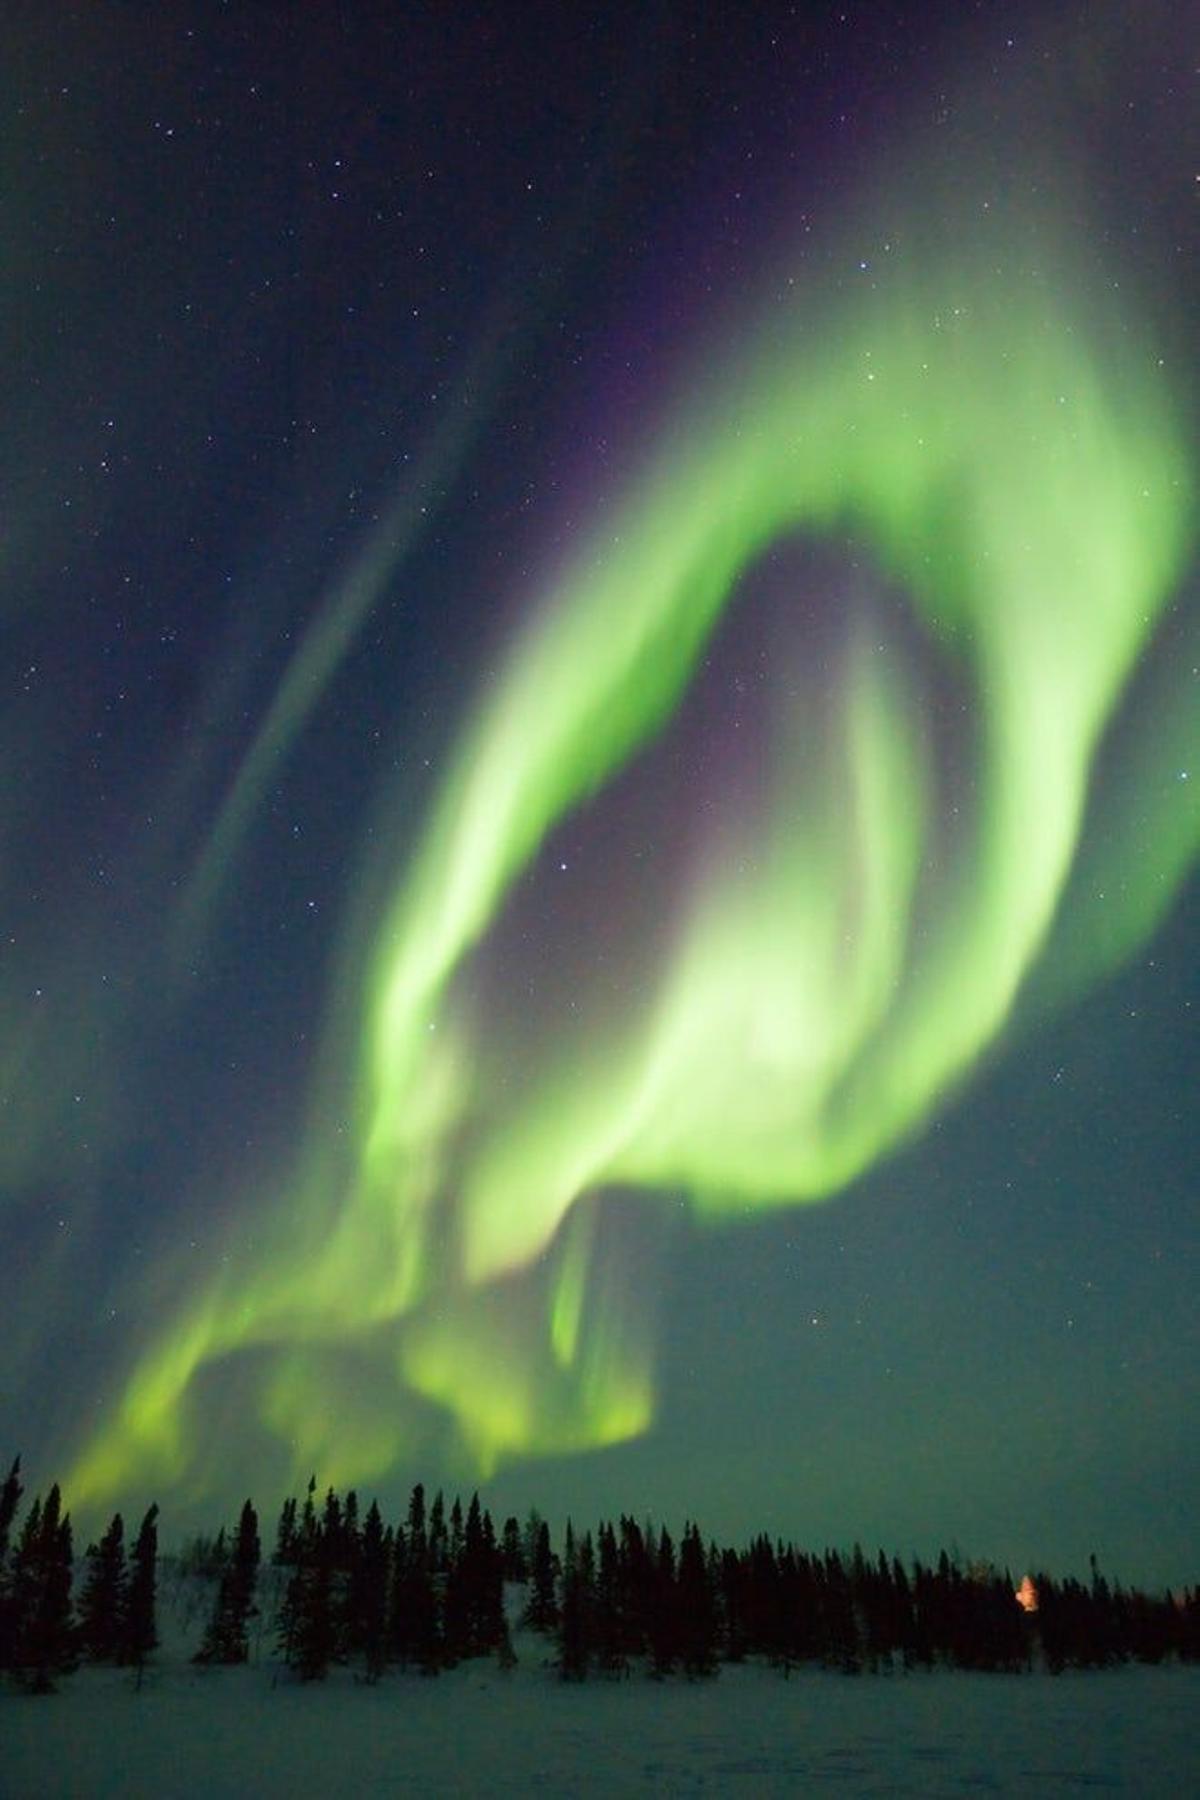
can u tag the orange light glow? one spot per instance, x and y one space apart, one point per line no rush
1027 1594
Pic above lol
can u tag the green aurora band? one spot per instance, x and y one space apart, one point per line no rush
1003 443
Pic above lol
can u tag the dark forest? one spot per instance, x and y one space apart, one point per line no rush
343 1587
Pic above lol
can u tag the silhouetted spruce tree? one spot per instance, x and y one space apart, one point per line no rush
102 1604
887 1623
494 1633
304 1621
993 1620
921 1595
473 1612
607 1623
289 1554
938 1608
1120 1615
350 1528
24 1583
418 1526
529 1537
734 1625
306 1531
695 1608
1102 1618
486 1627
330 1525
957 1611
1054 1622
455 1596
398 1622
637 1550
369 1596
56 1621
1152 1629
541 1609
346 1557
141 1629
807 1625
713 1565
905 1623
763 1609
437 1535
226 1639
415 1622
454 1544
837 1605
576 1609
10 1498
871 1594
312 1633
315 1627
247 1559
43 1638
333 1547
1007 1630
512 1552
285 1536
586 1570
664 1616
787 1630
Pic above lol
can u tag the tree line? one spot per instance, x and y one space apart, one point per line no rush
45 1630
428 1592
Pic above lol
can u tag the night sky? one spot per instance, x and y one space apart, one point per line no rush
600 765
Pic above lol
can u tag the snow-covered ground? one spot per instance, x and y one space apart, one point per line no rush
226 1734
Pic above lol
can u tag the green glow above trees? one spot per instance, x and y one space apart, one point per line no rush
1005 446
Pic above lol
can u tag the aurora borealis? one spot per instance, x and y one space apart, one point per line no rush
733 748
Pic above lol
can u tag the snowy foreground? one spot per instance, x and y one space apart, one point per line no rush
225 1734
